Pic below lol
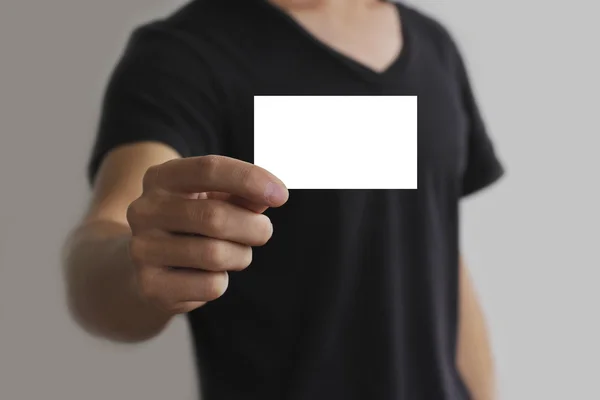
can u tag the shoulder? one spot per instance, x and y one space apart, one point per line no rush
198 21
425 23
430 30
184 38
188 23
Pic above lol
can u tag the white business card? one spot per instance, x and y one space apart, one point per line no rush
337 142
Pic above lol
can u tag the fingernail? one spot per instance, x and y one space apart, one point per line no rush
274 193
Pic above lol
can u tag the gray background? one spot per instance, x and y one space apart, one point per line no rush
531 241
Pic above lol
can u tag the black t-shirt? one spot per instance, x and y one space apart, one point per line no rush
355 296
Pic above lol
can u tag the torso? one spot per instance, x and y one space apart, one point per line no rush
355 295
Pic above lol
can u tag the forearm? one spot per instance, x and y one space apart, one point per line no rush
100 278
474 354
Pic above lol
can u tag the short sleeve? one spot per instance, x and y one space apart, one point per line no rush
160 90
482 167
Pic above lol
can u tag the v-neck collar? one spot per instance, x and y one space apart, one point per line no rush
360 68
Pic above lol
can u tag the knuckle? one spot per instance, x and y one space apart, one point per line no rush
209 166
187 253
133 213
191 211
214 254
140 211
151 178
213 218
215 285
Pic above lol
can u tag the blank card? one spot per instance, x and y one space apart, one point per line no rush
337 142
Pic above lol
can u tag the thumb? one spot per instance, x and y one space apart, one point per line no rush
238 201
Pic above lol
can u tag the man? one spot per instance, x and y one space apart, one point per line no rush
359 294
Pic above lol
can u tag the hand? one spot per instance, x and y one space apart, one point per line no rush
197 219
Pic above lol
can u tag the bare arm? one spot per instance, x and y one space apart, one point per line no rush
99 274
474 353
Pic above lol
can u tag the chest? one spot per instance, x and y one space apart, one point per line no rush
442 121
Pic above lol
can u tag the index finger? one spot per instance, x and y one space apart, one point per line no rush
215 173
